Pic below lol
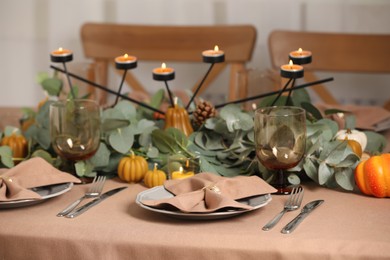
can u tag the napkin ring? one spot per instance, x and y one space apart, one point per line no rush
213 188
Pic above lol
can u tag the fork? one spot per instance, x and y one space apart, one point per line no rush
93 192
294 202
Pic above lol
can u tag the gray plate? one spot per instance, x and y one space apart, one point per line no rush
46 192
160 192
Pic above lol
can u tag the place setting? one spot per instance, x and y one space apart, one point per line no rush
32 182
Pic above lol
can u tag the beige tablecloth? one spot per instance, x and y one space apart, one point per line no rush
346 226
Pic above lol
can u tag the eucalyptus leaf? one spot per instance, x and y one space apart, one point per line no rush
145 138
52 86
43 138
6 156
101 157
44 155
111 124
157 98
312 110
152 152
293 179
127 109
375 142
350 121
324 173
164 142
349 161
84 169
122 139
345 178
178 135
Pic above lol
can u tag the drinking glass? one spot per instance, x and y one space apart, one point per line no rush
280 139
75 128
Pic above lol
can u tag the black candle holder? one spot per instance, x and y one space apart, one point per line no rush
124 63
63 56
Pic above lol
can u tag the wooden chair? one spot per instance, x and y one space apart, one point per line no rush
338 52
103 42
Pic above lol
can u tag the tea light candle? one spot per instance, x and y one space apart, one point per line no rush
300 56
61 55
213 56
163 73
291 70
180 174
125 62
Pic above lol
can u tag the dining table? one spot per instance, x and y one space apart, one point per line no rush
348 225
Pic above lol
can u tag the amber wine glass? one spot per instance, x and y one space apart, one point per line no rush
75 128
280 138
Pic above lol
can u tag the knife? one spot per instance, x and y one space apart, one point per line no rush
96 201
309 207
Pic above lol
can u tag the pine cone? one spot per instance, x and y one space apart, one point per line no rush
203 111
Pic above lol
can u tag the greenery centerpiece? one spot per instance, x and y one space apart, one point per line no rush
224 141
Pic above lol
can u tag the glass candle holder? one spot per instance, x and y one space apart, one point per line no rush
181 166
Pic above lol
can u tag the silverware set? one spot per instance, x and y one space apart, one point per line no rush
293 203
94 192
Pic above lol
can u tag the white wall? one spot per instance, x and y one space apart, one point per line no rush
30 29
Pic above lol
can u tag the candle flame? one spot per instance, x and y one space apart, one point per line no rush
216 48
126 55
181 169
254 106
163 65
300 50
60 49
290 63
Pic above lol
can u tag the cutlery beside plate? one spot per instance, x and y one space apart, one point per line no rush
306 210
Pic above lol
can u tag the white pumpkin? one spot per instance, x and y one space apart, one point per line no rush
355 135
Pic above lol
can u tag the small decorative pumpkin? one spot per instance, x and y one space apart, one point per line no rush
356 135
132 168
154 177
372 176
177 117
18 145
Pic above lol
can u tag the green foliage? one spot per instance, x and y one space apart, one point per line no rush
225 143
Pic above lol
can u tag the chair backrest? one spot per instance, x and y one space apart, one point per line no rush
103 42
338 52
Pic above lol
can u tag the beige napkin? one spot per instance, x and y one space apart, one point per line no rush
15 183
207 192
367 117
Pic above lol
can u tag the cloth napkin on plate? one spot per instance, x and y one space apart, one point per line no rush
15 183
207 192
367 117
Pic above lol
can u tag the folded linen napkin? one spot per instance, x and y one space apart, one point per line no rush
15 183
367 117
207 192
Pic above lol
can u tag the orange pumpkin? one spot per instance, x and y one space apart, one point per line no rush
154 177
177 117
132 168
372 176
18 145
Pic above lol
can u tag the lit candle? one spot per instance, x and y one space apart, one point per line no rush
180 174
300 56
213 56
125 62
291 70
163 73
61 55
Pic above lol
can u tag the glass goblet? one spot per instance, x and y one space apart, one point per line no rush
75 128
280 139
